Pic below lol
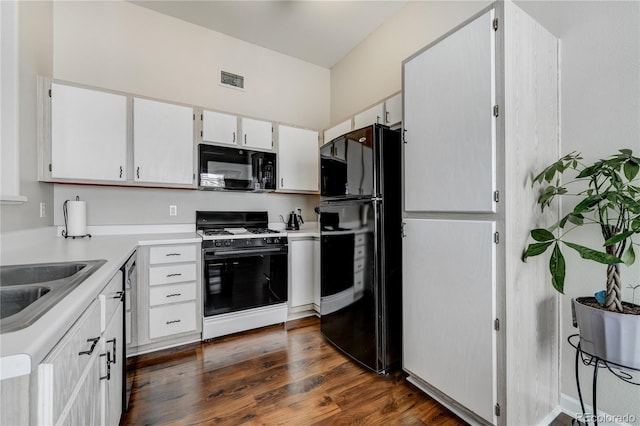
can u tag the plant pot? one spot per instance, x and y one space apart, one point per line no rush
611 336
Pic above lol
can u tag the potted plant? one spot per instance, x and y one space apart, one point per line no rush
608 199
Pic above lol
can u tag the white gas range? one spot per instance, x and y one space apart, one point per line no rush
244 273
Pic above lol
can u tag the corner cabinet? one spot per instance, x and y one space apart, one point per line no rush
88 134
481 115
163 145
304 276
298 157
169 296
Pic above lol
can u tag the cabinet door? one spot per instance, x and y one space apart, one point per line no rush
297 159
219 128
162 142
371 116
393 110
88 134
449 95
316 273
302 272
257 134
111 376
84 408
337 130
448 307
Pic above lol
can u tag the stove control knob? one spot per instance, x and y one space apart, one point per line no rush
227 243
268 240
276 240
217 243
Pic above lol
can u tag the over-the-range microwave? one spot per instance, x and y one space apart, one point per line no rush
237 169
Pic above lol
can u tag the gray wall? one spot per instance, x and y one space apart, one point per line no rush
35 44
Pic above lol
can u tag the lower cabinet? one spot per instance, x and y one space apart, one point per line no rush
169 305
80 381
304 276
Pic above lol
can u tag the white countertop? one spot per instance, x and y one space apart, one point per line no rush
22 350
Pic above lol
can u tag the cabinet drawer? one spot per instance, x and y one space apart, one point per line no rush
358 281
110 298
161 295
358 265
172 254
359 239
172 274
172 319
59 372
358 252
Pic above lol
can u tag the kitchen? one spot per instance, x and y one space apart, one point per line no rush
53 48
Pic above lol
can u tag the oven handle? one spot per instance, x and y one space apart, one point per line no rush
238 253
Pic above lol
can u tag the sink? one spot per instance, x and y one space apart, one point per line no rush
28 291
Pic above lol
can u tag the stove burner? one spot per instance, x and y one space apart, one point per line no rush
216 232
262 231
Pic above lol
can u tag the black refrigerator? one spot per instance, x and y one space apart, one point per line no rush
361 246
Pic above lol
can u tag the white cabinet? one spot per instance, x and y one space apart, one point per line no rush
373 115
297 159
219 128
88 134
393 110
337 130
111 362
304 272
169 296
480 118
256 134
163 144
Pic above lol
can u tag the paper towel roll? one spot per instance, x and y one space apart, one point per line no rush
76 218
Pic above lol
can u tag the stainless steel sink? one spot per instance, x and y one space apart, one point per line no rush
28 291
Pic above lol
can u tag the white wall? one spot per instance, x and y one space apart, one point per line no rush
35 58
125 47
600 112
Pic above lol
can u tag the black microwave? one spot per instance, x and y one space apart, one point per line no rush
230 168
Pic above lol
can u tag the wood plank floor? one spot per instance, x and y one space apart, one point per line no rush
279 375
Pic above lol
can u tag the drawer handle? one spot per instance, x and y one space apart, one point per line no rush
173 322
108 376
94 342
174 294
119 295
173 254
174 275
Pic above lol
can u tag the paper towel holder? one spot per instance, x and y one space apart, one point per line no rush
65 232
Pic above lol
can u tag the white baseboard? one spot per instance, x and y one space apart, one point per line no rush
234 322
571 407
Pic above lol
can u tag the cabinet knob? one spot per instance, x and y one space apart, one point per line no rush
94 342
120 171
386 117
173 322
245 139
138 172
174 275
234 137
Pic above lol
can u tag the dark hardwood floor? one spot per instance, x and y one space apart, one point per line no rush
279 375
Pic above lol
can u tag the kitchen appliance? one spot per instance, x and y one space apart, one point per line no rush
130 297
226 168
361 245
295 220
244 272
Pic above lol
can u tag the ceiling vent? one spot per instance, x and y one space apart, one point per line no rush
233 80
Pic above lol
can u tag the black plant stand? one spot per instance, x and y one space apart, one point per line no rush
597 363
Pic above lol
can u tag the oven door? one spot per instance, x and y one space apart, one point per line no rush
238 280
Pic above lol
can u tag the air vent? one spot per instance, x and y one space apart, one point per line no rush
229 79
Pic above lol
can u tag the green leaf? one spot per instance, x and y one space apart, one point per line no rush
557 269
631 169
626 151
576 219
617 238
542 235
587 203
589 171
596 256
629 256
535 249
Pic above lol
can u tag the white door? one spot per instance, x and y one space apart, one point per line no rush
371 116
88 134
337 130
297 159
449 96
449 308
256 133
302 272
393 110
219 128
112 376
162 142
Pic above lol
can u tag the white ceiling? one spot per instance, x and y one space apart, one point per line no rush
320 32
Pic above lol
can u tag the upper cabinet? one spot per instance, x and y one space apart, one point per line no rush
393 110
162 142
370 116
88 134
297 159
337 130
256 133
218 127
